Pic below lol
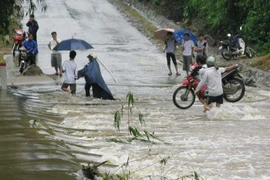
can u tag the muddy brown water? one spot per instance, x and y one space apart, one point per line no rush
25 153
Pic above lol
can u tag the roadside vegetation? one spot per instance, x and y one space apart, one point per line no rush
262 62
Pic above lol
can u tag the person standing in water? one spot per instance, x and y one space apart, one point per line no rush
170 52
69 69
93 78
212 77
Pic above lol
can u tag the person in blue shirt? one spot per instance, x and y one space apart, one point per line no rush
31 48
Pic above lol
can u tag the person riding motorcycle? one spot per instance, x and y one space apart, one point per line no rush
31 48
212 78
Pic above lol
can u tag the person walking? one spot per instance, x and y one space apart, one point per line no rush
33 27
69 69
212 78
170 52
93 78
31 49
188 47
56 58
200 46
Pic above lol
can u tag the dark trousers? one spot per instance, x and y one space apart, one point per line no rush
169 57
87 88
35 36
32 59
97 91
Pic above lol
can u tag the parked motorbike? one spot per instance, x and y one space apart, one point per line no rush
234 46
24 60
18 39
233 87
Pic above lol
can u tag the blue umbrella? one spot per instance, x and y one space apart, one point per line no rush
179 36
73 44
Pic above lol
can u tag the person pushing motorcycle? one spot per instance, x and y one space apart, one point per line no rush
212 77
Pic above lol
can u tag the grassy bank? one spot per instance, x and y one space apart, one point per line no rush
262 62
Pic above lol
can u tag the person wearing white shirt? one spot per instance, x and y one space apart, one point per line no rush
188 47
212 78
69 69
56 58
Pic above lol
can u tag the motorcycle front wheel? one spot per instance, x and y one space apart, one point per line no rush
14 49
226 54
183 97
237 86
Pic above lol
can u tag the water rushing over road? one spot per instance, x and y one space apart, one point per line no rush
230 143
227 143
27 151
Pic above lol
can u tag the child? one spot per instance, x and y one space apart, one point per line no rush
212 78
170 52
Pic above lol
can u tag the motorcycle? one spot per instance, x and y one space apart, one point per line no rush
234 46
18 39
233 88
24 61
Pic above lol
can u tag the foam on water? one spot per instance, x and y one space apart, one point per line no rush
235 112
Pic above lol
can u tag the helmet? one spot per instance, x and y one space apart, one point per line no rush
92 55
211 61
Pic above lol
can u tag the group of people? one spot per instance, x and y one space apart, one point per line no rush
210 74
188 48
91 71
30 44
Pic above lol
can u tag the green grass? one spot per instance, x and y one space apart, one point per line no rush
262 63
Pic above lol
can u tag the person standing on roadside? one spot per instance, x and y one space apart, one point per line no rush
69 69
200 46
170 52
206 39
56 58
33 27
188 47
31 48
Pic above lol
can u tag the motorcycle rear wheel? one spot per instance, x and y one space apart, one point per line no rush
226 54
183 97
239 94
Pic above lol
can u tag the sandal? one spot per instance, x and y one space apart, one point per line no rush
170 74
56 74
178 74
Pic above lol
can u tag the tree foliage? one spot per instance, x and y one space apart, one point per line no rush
6 12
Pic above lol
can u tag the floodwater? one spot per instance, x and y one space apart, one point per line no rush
70 131
46 134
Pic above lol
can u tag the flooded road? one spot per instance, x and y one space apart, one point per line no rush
26 151
227 143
